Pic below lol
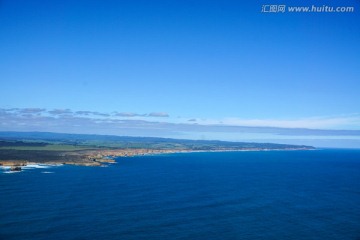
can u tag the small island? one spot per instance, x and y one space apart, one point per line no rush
18 149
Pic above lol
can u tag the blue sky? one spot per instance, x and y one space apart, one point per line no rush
191 63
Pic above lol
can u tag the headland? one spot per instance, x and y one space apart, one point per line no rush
21 149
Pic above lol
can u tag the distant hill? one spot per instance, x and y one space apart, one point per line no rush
110 141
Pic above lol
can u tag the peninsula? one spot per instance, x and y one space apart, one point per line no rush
19 149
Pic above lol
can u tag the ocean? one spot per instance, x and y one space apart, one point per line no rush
220 195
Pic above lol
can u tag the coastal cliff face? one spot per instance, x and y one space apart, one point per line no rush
13 163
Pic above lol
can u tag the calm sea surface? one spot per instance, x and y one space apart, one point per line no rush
231 195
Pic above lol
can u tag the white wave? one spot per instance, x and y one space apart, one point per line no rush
12 171
7 169
32 166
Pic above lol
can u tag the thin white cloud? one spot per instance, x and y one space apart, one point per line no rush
129 114
158 114
343 122
60 111
84 112
32 110
101 114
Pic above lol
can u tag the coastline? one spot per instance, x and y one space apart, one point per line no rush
98 158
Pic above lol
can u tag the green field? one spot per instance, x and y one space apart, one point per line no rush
50 147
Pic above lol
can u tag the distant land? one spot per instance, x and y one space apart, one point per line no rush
19 149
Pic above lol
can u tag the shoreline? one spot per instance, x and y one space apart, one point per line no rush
98 158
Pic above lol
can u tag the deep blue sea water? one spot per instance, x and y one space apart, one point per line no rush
230 195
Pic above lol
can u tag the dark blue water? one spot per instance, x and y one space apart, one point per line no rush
232 195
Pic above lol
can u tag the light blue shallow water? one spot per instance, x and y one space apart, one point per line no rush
231 195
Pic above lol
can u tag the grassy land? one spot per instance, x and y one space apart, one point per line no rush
52 147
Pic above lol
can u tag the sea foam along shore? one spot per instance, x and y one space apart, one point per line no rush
30 166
